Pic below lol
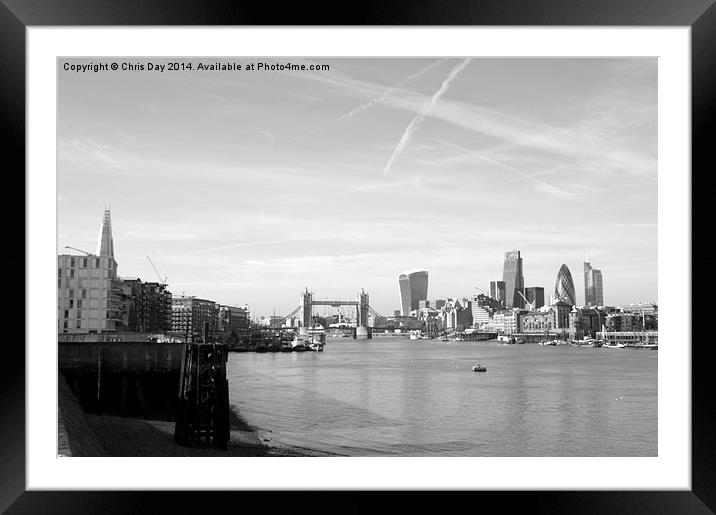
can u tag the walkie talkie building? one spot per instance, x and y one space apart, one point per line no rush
413 289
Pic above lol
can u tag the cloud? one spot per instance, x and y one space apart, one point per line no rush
130 233
389 91
592 144
424 110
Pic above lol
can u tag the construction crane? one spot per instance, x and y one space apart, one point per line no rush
529 305
79 250
163 282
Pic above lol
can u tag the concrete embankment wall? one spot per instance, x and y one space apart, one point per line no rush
75 438
128 379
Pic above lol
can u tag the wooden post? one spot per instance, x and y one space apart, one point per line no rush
125 388
99 377
140 396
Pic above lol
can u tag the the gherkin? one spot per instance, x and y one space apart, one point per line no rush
564 287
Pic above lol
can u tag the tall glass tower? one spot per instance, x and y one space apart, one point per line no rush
514 279
404 285
564 287
593 291
418 287
413 288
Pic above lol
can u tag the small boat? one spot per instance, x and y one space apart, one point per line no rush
479 368
614 346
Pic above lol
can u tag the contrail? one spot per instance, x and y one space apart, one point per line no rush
388 91
418 118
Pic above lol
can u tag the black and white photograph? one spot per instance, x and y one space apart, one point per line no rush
357 257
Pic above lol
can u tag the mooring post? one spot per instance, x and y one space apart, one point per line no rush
99 376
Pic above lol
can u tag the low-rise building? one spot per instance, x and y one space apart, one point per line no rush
537 322
194 319
232 322
149 306
456 314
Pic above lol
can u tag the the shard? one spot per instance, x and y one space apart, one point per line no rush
105 245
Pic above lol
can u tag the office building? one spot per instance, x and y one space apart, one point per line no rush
535 296
194 319
564 287
514 280
497 291
149 306
593 289
413 287
90 297
404 286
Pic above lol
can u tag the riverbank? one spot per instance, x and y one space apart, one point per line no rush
84 434
130 437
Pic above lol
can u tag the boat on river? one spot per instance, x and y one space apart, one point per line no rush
479 368
315 340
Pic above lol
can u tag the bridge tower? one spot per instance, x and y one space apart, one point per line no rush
362 309
307 307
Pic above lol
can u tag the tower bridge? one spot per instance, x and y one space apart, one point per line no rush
307 302
361 304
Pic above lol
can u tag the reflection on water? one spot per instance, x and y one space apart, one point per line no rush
390 397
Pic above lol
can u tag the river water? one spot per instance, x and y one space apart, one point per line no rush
400 397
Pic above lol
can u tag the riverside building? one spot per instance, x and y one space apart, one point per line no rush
90 297
149 306
194 319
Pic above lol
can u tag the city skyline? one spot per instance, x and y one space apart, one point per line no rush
247 188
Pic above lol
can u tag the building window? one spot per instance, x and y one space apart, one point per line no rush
72 302
98 264
67 313
79 304
84 262
79 324
79 313
59 283
59 272
72 272
72 293
84 294
64 325
72 262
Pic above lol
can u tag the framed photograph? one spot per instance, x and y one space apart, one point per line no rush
348 224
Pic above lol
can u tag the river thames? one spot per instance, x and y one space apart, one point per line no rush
400 397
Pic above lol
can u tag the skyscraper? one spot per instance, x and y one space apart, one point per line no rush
593 291
514 279
105 244
497 290
413 288
535 295
418 288
404 286
564 287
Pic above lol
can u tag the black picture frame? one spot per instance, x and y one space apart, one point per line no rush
699 15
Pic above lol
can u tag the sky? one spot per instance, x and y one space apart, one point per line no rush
246 187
